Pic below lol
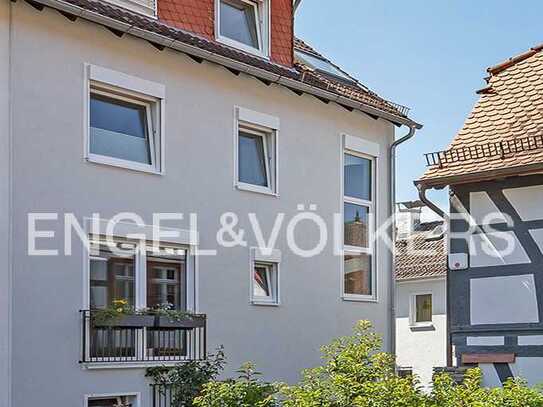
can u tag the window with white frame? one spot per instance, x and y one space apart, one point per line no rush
265 276
142 277
421 309
125 121
256 152
112 401
244 24
358 225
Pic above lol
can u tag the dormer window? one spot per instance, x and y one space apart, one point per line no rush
243 24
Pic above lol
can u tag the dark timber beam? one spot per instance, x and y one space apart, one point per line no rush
118 33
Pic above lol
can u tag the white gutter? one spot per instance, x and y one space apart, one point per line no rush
227 62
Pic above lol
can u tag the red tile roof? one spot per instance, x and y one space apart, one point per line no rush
503 131
120 19
419 256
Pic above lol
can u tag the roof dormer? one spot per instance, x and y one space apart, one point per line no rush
263 28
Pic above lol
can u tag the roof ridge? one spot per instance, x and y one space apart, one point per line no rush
502 66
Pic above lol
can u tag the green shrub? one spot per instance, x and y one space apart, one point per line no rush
246 391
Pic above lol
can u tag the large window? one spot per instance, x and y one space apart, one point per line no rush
358 226
145 278
243 24
256 152
125 121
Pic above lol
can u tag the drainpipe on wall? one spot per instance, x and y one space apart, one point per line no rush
392 211
422 196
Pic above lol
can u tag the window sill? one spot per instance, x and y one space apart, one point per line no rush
127 165
359 298
422 327
242 47
255 188
264 303
129 365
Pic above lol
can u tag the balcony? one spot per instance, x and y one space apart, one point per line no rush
142 339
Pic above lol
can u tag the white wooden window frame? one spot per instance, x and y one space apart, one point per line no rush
186 240
370 151
135 395
265 126
413 310
137 6
271 260
123 87
262 18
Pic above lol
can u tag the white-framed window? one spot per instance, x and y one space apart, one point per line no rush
146 274
420 309
112 400
256 152
359 265
146 7
264 277
244 24
124 120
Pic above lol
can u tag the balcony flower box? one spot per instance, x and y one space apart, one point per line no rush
126 321
188 322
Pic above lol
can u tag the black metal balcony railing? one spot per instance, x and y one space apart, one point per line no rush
139 341
503 149
162 396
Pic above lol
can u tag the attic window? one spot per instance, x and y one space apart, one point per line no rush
146 7
322 65
243 24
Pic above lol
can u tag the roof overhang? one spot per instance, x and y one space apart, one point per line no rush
442 182
75 11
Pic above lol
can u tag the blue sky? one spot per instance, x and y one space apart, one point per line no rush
429 55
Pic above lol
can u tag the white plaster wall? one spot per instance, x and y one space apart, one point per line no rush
528 368
526 201
503 300
5 270
422 349
50 174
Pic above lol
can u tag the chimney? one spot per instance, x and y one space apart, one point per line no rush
407 218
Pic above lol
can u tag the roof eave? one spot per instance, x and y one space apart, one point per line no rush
224 61
442 182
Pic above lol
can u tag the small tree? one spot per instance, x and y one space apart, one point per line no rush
355 373
186 380
246 391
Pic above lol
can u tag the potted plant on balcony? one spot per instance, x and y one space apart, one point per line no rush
168 317
121 315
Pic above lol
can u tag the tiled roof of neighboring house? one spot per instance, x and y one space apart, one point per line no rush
124 20
420 256
505 128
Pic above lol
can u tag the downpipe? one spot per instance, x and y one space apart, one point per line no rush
392 234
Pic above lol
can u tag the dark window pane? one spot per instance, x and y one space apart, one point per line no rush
118 129
238 22
166 281
424 308
261 282
252 164
357 177
111 278
357 274
355 226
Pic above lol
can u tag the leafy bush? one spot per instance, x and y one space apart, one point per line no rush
354 374
246 391
186 380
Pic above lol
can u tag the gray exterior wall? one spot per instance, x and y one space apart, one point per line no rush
4 207
50 174
469 307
